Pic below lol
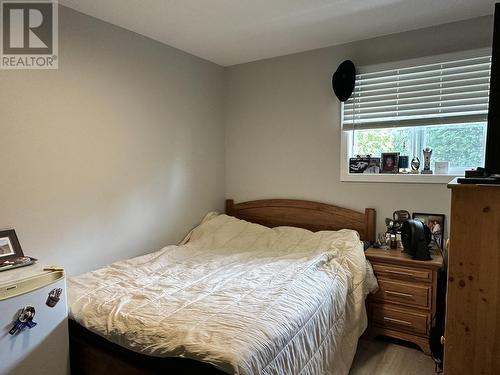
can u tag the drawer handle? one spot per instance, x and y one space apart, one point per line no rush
397 321
399 294
401 273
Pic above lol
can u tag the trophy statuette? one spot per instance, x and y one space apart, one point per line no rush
415 165
427 160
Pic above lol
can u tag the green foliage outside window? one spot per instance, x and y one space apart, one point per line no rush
375 141
462 146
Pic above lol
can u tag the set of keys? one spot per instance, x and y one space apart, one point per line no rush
24 320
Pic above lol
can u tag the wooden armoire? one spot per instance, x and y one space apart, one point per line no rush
472 332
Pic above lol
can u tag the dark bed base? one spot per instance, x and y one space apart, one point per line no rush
93 355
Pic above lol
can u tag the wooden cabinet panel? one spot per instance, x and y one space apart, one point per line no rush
400 319
472 333
401 273
404 294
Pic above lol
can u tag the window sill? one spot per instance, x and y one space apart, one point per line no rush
398 178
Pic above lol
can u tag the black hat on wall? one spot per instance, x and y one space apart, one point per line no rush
343 80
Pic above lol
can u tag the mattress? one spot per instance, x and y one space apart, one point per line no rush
245 298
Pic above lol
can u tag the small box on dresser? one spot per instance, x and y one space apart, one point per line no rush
405 303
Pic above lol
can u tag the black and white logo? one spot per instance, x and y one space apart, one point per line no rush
29 37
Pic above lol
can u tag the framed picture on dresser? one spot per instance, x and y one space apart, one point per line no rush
435 223
9 245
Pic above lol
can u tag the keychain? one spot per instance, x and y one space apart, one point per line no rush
25 319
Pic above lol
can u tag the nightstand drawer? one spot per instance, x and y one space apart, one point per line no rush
400 273
400 319
405 294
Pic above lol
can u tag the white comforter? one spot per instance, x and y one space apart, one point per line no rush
248 299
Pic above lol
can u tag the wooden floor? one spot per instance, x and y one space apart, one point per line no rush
385 358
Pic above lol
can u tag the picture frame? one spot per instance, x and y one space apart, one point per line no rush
364 164
10 248
389 162
373 166
358 164
435 223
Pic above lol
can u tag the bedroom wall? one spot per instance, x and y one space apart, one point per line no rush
117 153
283 123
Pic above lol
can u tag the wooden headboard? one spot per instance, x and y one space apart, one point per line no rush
314 216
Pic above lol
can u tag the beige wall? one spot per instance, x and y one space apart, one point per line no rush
117 153
283 123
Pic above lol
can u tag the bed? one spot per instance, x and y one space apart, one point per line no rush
272 287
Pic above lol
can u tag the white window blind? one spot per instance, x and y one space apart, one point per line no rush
450 92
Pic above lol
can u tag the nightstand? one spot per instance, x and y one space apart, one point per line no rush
405 303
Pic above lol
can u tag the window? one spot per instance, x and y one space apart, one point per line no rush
463 145
442 105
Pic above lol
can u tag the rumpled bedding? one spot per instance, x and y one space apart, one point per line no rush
245 298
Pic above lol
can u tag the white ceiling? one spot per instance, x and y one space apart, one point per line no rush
230 32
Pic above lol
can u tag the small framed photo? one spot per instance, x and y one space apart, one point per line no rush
9 246
358 164
373 166
390 161
435 223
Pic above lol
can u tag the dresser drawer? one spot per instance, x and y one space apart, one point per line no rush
400 319
400 273
404 294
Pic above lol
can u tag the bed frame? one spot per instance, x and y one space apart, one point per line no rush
94 355
314 216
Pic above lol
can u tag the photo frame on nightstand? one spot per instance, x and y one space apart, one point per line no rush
435 223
